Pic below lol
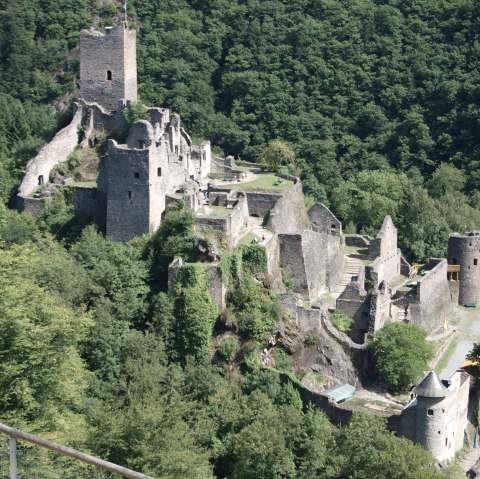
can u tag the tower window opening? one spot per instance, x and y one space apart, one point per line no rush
40 180
430 412
136 174
129 195
159 172
109 75
475 262
141 144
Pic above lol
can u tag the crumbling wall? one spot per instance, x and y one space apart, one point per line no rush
288 215
34 206
324 221
56 151
272 248
259 204
433 297
355 303
384 253
293 263
85 202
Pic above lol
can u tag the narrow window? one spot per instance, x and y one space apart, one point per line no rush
446 441
334 227
159 172
475 262
141 144
40 180
176 150
129 195
430 412
109 75
136 174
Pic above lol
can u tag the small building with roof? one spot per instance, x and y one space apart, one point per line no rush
437 416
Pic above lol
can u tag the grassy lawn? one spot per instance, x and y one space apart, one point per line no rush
87 184
248 238
215 211
356 250
264 182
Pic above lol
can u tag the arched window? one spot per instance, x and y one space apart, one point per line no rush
109 75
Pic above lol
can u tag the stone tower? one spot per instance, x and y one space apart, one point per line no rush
108 66
437 417
133 181
464 250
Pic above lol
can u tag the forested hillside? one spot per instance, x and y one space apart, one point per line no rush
383 86
380 101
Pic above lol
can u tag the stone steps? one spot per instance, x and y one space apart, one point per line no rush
351 268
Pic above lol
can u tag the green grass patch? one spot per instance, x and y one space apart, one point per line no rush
248 239
86 184
341 321
219 211
265 182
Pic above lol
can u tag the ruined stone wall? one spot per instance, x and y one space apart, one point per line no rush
359 241
355 303
259 204
136 186
293 263
433 297
306 319
335 258
288 215
315 261
34 206
323 220
85 202
386 240
238 218
272 248
108 66
107 121
51 154
386 267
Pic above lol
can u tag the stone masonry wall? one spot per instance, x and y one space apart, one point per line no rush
259 204
433 297
51 154
272 247
288 215
108 66
85 202
323 220
292 262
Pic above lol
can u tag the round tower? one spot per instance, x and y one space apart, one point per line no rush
464 250
431 417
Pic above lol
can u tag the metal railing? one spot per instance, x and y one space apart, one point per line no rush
34 459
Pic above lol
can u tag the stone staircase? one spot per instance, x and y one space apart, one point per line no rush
350 269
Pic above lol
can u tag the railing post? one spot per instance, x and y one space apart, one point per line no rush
13 458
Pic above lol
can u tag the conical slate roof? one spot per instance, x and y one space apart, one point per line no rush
431 387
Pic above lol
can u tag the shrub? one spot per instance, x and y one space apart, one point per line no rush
254 258
341 321
400 354
227 347
287 281
283 361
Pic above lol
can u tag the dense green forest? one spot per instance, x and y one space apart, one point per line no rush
379 101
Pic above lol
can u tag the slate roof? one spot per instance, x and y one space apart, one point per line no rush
431 387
